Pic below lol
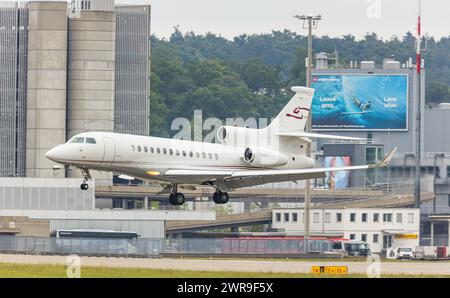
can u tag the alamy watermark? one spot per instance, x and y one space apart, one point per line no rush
73 266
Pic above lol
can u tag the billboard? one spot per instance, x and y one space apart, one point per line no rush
360 102
337 179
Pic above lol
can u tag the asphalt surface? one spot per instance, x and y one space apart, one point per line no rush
403 267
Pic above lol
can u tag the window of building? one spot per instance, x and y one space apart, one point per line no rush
376 217
139 148
375 238
448 171
352 217
286 217
278 217
77 140
399 218
316 217
364 217
364 237
387 217
295 217
338 217
90 141
327 218
352 236
449 200
410 218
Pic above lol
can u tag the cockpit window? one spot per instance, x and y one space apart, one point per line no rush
77 140
90 141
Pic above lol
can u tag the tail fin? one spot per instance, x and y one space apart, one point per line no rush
294 115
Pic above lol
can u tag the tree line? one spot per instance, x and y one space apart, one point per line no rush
251 75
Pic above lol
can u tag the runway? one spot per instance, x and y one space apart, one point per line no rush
281 266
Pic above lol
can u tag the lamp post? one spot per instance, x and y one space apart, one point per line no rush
310 22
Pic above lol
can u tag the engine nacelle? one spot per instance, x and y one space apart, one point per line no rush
237 136
264 157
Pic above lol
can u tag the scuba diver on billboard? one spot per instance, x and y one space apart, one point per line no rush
363 107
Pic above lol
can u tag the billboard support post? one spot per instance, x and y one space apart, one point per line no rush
309 22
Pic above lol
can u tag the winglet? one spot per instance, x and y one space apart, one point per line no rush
387 159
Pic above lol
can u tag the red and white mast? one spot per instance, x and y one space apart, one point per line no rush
419 38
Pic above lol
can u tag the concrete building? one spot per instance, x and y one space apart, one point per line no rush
24 226
58 77
380 228
64 205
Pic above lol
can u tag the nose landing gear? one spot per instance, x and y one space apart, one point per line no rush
86 177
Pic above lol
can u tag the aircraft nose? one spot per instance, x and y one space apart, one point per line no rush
54 153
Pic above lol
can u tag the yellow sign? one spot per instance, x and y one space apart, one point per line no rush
329 269
406 236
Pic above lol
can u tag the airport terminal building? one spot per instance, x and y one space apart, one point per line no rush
66 69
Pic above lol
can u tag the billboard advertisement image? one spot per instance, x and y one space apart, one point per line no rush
338 179
360 102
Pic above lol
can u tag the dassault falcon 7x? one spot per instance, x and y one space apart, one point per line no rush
244 157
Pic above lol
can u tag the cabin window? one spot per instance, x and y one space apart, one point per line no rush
177 152
145 149
209 155
191 154
184 153
152 150
164 150
216 157
203 154
133 147
139 148
158 150
77 140
197 155
170 151
90 141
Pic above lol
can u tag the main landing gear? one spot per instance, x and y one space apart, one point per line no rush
176 198
220 197
86 177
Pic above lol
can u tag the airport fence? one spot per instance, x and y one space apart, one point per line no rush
145 247
141 247
244 246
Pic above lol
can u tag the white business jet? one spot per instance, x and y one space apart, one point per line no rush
245 157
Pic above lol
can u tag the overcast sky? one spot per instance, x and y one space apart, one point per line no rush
230 18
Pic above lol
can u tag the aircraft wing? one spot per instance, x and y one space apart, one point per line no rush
298 174
237 179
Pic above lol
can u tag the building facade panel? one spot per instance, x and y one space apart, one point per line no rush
132 90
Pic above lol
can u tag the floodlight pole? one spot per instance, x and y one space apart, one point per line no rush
417 189
309 22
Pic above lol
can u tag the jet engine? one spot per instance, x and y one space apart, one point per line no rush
264 157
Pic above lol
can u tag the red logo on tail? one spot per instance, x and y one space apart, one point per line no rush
296 111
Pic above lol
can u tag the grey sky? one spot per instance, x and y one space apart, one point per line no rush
233 17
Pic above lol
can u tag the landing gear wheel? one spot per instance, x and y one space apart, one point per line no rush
84 186
220 197
176 199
